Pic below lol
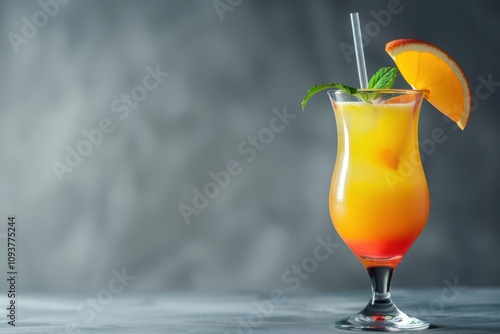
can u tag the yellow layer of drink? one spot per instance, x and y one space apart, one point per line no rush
379 200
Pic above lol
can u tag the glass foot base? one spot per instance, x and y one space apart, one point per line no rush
381 315
390 323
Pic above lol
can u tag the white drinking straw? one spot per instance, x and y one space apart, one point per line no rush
358 47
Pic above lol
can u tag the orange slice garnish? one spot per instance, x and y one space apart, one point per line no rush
428 68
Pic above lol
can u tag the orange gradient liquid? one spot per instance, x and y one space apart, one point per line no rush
379 201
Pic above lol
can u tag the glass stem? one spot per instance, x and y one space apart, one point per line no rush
380 279
381 302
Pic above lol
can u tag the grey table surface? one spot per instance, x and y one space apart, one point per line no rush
452 309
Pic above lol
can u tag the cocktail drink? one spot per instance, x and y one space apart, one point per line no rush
379 201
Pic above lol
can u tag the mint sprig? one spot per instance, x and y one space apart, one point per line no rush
318 88
382 79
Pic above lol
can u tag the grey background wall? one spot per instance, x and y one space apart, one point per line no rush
117 207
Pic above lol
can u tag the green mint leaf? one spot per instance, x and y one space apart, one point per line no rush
367 97
383 78
318 88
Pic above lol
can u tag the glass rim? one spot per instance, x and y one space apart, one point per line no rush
379 91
